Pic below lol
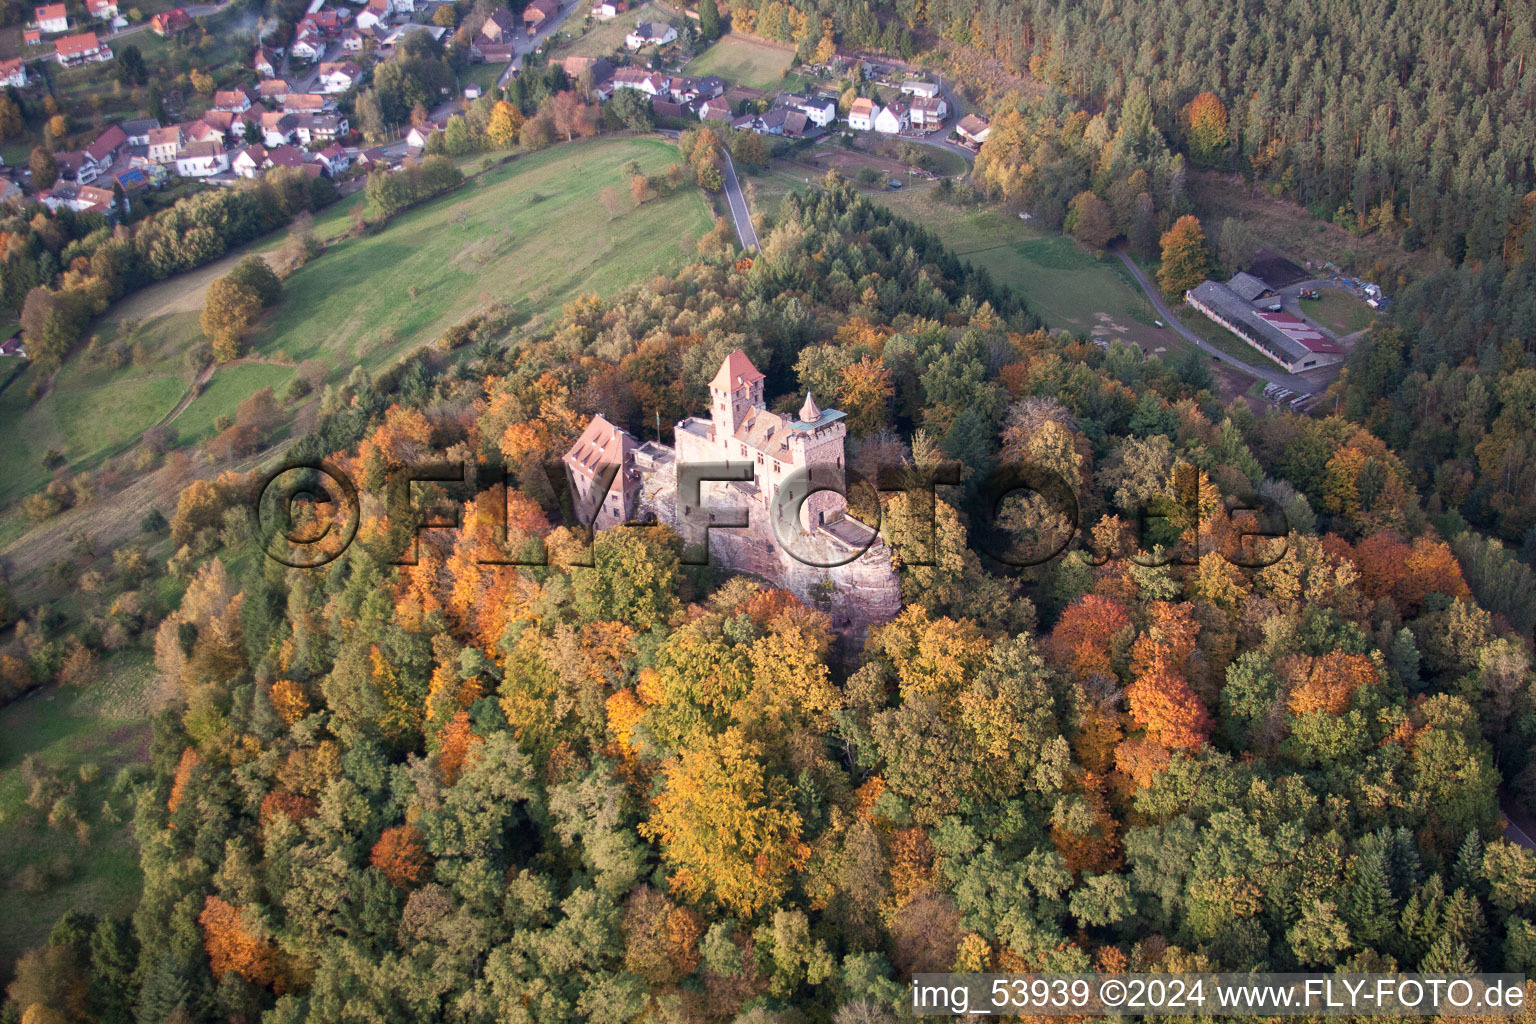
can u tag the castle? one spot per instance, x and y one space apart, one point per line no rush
753 523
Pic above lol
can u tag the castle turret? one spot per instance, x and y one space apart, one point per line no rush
736 390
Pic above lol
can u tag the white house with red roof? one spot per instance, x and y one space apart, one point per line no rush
84 48
51 18
14 72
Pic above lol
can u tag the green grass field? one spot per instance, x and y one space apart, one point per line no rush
1339 311
1060 281
742 61
532 234
81 739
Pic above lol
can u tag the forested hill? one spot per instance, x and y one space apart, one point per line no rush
468 793
1428 106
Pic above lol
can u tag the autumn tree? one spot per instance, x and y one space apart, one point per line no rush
231 946
1090 220
1205 120
1185 260
506 121
400 855
726 827
234 302
45 171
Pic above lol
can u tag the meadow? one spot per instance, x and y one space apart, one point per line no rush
1339 311
603 37
71 755
742 61
1061 281
505 235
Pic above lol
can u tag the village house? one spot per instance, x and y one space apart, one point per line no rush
76 167
604 451
32 36
164 144
929 112
925 89
168 23
13 72
250 161
651 83
339 76
201 130
51 18
309 128
973 129
274 90
224 122
600 68
375 14
335 158
109 145
862 114
307 103
714 110
309 46
138 131
278 128
101 200
265 63
286 156
894 119
237 100
485 52
539 13
608 10
102 10
416 139
498 28
326 23
650 33
354 40
202 159
84 48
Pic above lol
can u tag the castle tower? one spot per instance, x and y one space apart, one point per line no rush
736 390
815 439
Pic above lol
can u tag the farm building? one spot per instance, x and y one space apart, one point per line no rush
1288 340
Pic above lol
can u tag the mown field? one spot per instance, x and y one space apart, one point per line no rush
1339 311
743 61
532 234
1061 281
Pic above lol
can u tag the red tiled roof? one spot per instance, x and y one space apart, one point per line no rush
48 12
85 42
736 372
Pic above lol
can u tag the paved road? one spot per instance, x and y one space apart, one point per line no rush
529 44
1301 385
1518 825
745 230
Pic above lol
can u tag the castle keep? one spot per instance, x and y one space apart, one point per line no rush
784 523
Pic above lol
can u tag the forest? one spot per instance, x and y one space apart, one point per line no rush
646 790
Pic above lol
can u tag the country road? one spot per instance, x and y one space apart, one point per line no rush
745 231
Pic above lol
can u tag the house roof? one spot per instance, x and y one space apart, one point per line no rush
928 104
862 105
256 154
278 119
543 8
501 18
601 444
85 42
207 147
287 156
107 143
49 12
735 372
8 67
141 126
1246 286
162 136
274 87
973 124
231 97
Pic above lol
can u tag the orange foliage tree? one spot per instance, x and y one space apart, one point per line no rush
454 745
400 855
1084 639
1327 683
232 947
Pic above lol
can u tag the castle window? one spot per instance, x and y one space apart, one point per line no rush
777 468
743 449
